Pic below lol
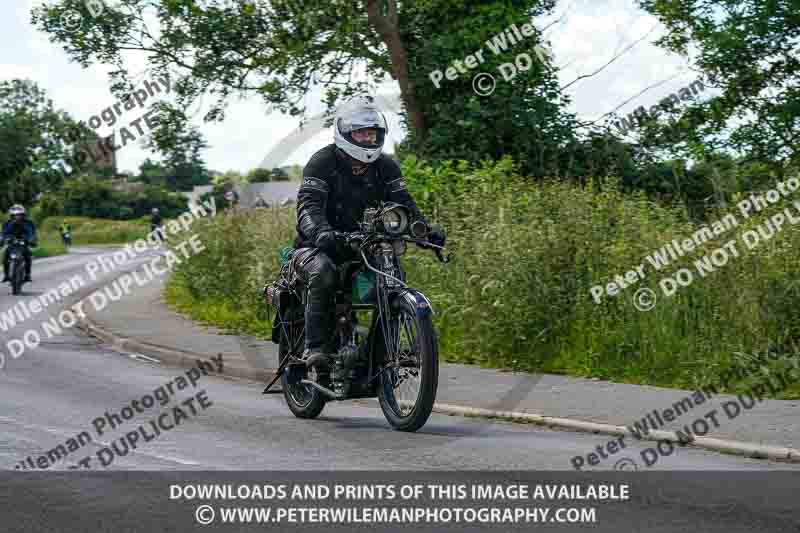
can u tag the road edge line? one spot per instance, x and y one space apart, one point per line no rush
731 447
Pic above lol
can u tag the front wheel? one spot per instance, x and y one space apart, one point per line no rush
16 278
408 382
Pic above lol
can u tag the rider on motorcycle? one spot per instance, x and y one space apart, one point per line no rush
66 232
339 183
18 227
156 225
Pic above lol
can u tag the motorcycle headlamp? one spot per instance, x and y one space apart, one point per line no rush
419 229
395 220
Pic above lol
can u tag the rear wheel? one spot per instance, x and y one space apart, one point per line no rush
304 401
408 382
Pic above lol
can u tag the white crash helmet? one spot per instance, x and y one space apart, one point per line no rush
358 114
16 209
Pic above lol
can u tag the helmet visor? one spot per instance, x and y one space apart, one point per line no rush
365 120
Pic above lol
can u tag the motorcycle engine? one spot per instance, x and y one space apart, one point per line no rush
349 355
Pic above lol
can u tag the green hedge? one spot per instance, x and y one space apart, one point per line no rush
517 293
88 196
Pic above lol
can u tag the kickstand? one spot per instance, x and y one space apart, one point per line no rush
278 373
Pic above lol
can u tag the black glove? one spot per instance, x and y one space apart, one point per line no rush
437 236
329 243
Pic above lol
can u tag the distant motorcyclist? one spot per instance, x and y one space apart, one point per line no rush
18 227
156 224
339 183
66 233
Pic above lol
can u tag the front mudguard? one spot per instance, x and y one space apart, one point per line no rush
419 301
396 298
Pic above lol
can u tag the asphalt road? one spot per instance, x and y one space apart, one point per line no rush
51 394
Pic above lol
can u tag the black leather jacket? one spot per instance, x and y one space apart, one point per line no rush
332 198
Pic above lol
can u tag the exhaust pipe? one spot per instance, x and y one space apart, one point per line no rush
324 390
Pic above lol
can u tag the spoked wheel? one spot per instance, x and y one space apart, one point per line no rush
16 279
407 388
303 400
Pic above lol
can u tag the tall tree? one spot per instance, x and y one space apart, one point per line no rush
750 51
180 145
37 145
279 49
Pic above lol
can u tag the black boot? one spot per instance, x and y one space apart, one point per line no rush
319 317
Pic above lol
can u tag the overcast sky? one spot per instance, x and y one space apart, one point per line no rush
591 33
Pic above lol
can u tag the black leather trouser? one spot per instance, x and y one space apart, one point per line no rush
318 273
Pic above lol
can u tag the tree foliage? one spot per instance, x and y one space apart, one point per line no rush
750 51
280 49
90 197
260 175
37 148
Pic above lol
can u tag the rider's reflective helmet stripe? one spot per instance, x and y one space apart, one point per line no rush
16 209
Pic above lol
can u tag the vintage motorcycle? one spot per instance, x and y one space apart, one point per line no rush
395 357
16 264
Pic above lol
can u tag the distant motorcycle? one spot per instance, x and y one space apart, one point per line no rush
16 264
66 238
395 358
159 231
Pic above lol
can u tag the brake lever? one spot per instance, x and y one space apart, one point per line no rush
436 250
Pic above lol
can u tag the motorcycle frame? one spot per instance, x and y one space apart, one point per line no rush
387 291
